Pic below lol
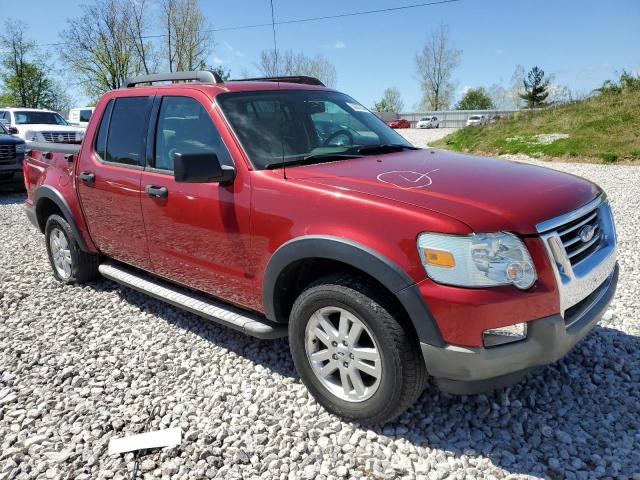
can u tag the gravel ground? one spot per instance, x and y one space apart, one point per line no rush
420 137
81 364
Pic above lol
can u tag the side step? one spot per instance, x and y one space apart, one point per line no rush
246 322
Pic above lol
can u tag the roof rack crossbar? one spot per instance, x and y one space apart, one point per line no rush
287 79
202 76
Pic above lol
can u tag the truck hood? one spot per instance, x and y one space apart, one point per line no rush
45 127
9 140
487 194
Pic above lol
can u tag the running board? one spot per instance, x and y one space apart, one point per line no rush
246 322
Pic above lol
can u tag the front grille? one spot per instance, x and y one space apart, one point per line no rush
60 137
582 248
7 154
7 151
576 248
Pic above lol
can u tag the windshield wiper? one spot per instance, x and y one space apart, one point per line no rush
384 148
315 158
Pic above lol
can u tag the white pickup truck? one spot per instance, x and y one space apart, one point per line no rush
37 125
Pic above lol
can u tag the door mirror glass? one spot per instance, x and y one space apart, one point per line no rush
202 167
13 130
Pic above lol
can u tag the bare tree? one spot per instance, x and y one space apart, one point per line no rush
101 52
435 64
500 97
187 35
138 29
274 63
517 86
391 101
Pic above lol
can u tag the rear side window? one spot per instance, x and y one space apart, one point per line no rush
101 138
126 131
184 126
85 115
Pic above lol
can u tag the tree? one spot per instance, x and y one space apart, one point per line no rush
475 99
435 64
224 73
274 63
499 97
25 74
187 35
390 102
536 88
102 53
517 80
138 27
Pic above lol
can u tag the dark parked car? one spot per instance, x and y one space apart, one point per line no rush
11 156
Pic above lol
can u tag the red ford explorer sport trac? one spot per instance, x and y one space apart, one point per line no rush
277 207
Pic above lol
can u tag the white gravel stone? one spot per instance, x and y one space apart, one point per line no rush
80 364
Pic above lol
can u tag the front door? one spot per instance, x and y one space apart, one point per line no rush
198 233
109 180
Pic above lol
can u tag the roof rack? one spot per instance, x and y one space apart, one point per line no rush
202 76
288 79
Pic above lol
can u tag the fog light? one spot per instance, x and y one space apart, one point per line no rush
502 335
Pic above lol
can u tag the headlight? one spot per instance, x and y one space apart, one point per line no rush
21 147
79 136
478 260
31 136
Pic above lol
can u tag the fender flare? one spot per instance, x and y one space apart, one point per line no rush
56 197
359 256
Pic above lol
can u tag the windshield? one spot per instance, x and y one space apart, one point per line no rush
24 117
3 131
299 124
474 117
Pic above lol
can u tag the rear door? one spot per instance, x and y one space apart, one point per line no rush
108 180
198 233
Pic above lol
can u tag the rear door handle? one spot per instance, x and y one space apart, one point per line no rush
88 177
156 191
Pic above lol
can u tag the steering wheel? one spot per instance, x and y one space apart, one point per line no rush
337 134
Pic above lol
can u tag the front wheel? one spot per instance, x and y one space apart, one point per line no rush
352 354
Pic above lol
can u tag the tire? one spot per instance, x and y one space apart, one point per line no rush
401 375
68 262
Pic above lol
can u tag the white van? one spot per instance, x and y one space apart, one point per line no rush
80 116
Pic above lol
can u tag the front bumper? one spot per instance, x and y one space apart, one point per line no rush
469 370
11 169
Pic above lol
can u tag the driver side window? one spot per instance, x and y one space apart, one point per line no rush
336 127
184 126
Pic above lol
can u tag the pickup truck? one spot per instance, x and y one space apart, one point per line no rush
254 204
12 151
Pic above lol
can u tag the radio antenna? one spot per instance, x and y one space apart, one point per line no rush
275 59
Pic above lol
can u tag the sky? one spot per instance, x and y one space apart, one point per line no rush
581 42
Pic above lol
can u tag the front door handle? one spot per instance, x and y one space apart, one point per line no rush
88 177
156 191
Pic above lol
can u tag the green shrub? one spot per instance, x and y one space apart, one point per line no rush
608 157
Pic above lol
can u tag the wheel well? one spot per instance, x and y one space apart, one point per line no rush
297 276
44 209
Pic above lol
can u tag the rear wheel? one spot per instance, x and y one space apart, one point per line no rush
352 354
68 262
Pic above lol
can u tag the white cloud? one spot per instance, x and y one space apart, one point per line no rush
339 44
464 90
217 60
237 53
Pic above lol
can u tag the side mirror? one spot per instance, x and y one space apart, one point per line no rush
13 131
201 168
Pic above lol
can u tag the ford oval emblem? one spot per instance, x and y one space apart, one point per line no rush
586 233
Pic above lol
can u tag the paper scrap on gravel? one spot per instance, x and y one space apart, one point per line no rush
169 437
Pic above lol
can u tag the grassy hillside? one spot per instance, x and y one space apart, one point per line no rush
603 128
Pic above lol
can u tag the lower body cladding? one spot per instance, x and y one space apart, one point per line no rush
470 370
